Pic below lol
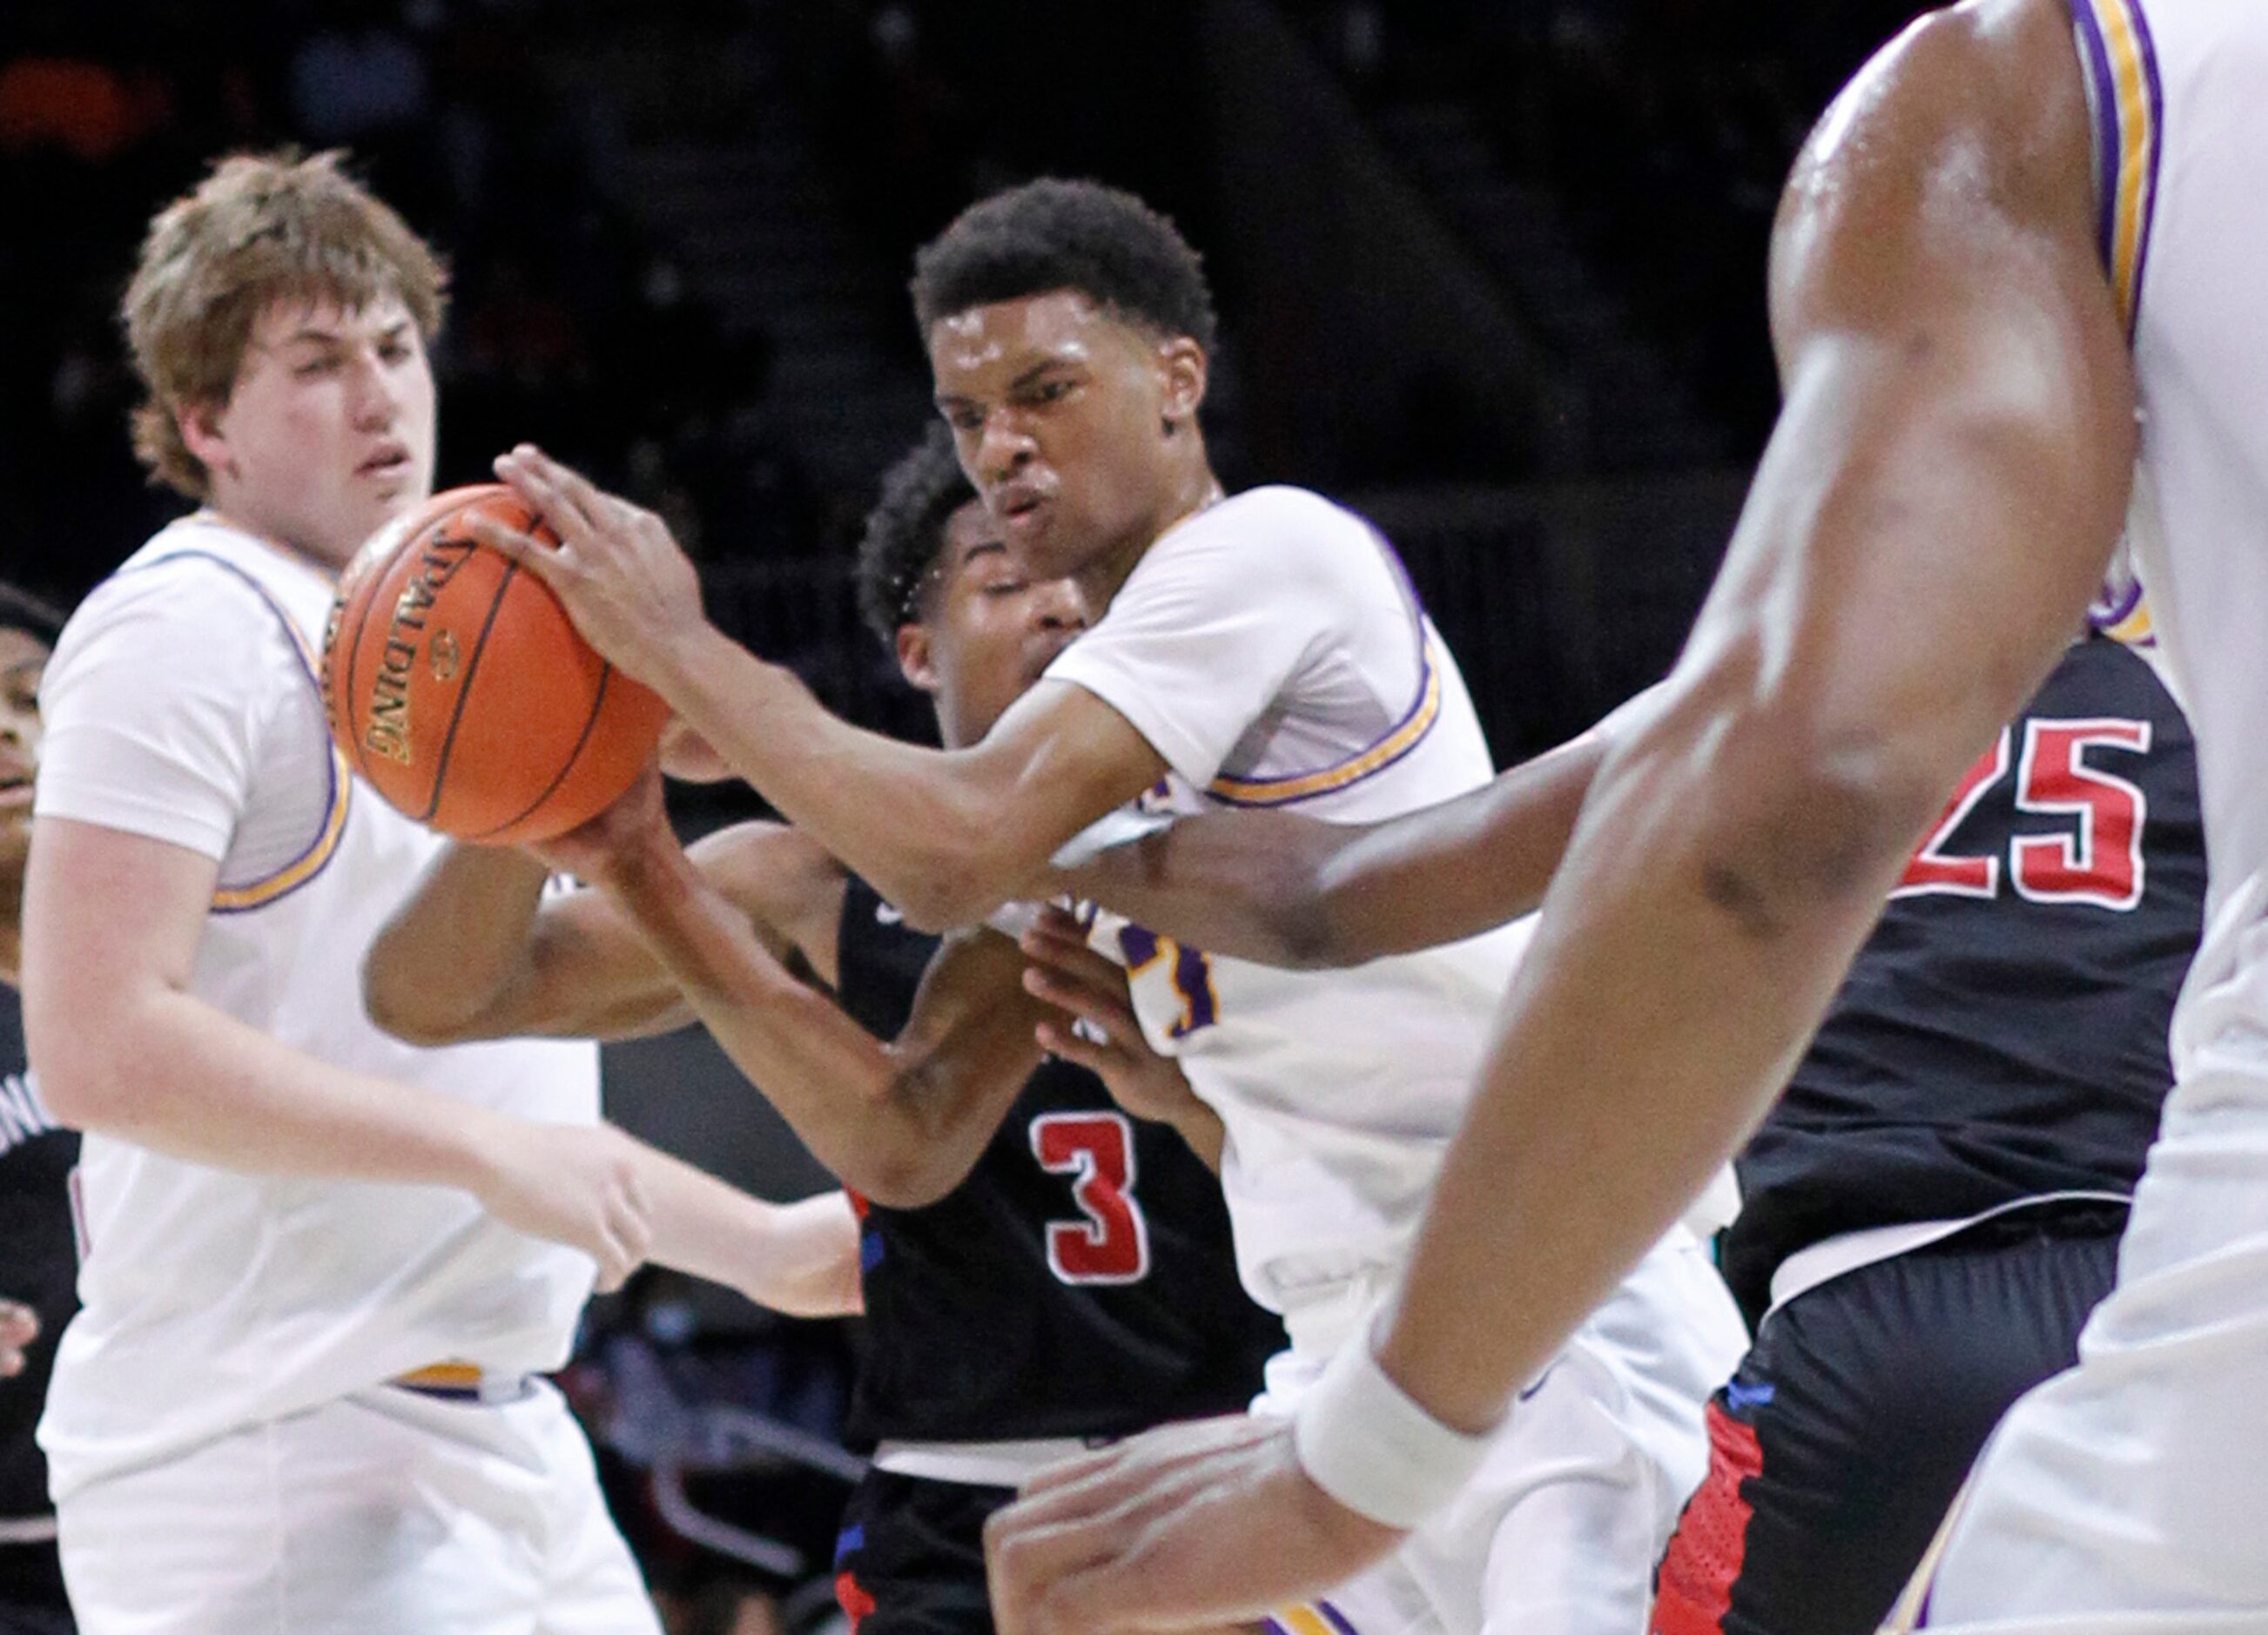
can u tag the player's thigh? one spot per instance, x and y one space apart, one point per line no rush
35 1620
1847 1430
910 1560
590 1583
1557 1532
333 1520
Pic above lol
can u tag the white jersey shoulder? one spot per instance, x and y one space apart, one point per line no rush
182 706
1274 653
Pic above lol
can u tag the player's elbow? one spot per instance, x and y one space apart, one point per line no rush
909 1154
1307 934
900 1175
957 885
72 1088
90 1063
408 1009
1800 817
944 898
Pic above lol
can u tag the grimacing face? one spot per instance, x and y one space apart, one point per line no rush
328 431
987 628
1057 409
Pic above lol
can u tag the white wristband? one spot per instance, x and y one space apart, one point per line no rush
1363 1441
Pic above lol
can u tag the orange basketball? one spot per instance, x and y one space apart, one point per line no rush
458 688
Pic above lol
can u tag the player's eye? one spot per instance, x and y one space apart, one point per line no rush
393 351
313 368
1049 392
964 419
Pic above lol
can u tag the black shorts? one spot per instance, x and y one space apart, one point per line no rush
910 1560
1851 1423
32 1601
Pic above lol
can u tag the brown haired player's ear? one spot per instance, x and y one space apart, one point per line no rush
201 434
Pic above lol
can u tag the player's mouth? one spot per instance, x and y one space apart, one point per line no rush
1021 507
390 461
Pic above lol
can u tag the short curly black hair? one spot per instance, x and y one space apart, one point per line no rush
906 530
1057 234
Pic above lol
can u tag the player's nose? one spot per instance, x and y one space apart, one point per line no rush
1056 606
1005 448
377 395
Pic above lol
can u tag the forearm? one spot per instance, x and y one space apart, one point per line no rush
1242 884
1201 1129
801 1259
897 815
456 945
897 1121
1461 868
166 1070
1290 891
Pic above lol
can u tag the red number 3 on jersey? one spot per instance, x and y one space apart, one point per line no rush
1111 1244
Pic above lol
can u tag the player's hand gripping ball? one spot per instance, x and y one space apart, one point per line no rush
458 688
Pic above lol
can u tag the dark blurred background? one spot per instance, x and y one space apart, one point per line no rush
1490 270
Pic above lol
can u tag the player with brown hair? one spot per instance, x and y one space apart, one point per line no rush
317 1285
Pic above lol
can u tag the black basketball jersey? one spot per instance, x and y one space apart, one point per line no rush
2002 1034
1079 1282
38 1266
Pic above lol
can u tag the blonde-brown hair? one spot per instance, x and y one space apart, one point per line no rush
260 228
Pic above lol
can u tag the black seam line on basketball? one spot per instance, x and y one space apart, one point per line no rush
464 692
354 648
590 721
348 690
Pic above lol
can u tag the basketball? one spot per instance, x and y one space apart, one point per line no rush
458 688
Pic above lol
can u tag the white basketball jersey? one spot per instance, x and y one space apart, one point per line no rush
2126 1493
2180 90
1271 649
181 704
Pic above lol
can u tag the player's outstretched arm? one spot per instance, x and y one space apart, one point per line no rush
946 836
478 952
900 1120
111 926
475 954
1287 890
1930 519
800 1259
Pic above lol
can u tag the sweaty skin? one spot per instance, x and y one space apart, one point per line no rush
1287 890
1945 485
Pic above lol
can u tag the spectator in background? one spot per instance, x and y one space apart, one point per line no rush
39 1262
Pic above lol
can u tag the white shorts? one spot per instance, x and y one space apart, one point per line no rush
1558 1532
383 1513
2129 1495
